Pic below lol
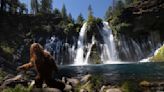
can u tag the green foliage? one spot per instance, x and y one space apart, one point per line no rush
70 19
13 6
128 87
108 13
68 28
93 22
18 88
118 8
122 27
158 55
57 12
97 81
64 12
6 48
129 2
87 86
2 74
90 15
34 6
46 6
80 19
117 25
90 11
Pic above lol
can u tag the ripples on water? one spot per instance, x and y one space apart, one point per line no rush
118 72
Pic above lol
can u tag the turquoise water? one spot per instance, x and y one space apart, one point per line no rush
118 72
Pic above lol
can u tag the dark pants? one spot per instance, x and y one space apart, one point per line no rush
52 83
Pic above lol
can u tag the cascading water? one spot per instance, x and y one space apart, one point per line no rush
108 54
89 50
81 51
133 50
79 60
108 50
62 51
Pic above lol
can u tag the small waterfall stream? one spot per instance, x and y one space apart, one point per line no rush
109 53
80 49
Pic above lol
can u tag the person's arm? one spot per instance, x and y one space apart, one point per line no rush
25 66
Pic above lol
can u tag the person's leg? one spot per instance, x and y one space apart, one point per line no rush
38 82
55 84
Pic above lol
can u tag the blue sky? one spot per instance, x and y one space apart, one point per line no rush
75 7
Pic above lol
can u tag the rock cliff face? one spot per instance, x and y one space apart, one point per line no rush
140 26
144 16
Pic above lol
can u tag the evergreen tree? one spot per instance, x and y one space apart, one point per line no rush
118 8
70 18
2 5
57 12
23 8
46 6
119 5
13 4
64 12
34 6
108 13
90 14
80 19
128 2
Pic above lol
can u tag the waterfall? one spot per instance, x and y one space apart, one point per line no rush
63 52
108 49
108 53
137 49
89 50
101 47
79 60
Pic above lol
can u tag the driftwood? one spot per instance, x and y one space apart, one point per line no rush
12 82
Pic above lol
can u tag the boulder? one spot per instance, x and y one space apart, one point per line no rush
86 78
113 90
72 81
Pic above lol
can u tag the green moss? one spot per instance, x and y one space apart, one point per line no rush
7 49
92 85
159 55
87 86
128 87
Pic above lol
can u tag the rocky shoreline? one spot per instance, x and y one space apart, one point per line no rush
86 83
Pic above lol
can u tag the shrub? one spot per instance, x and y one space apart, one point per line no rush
18 88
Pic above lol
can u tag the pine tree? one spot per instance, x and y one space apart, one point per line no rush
118 8
34 6
3 5
90 14
13 5
80 19
108 13
57 12
64 12
119 5
46 6
70 18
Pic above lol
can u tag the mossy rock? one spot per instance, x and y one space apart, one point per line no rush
158 55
